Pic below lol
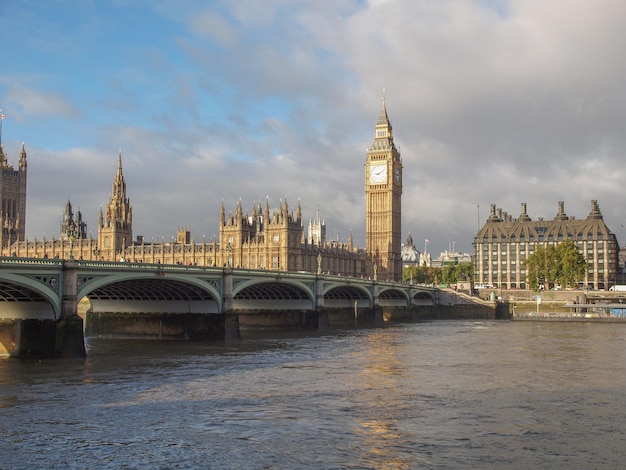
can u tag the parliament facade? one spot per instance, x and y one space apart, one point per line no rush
503 243
13 195
260 238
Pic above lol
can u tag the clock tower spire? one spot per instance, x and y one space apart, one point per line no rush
383 197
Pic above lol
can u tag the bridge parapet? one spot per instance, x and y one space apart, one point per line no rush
29 263
123 265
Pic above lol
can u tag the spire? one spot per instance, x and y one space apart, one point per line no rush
68 216
23 158
383 119
383 132
119 185
119 211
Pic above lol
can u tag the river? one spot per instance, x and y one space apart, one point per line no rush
433 395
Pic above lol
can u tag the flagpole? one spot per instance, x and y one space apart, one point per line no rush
1 120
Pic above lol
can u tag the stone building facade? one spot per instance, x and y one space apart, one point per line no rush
13 199
383 202
115 225
275 240
503 243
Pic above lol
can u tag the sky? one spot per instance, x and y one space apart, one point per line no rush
214 102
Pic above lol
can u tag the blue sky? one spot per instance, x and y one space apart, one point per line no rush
499 102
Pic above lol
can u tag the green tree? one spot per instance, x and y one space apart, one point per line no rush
464 272
572 265
563 265
452 274
421 274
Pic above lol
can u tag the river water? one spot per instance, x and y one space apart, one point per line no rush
435 395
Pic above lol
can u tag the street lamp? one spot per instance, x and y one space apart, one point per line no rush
72 234
229 251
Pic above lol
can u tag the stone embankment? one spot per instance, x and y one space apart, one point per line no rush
557 305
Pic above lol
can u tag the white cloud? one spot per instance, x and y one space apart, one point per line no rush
520 103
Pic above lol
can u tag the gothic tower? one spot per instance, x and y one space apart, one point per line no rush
317 231
115 228
72 224
13 196
383 193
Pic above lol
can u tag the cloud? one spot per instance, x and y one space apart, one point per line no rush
31 102
491 102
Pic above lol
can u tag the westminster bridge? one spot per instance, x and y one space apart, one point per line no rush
39 301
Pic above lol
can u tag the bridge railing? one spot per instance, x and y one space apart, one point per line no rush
15 262
126 265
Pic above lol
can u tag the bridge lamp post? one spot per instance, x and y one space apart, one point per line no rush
72 233
229 252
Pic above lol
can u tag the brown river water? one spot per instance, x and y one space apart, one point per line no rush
434 395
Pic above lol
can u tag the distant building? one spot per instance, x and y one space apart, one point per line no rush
317 231
503 243
450 258
275 240
409 254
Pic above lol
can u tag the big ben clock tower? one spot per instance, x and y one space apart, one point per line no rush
383 193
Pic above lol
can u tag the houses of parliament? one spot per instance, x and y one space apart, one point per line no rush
261 238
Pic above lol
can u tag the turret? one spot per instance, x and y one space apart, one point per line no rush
23 158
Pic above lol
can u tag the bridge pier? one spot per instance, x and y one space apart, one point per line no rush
70 337
36 338
163 325
45 337
231 326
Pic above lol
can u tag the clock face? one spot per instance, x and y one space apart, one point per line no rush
397 174
378 174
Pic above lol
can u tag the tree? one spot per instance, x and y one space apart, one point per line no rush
452 274
563 265
421 274
572 265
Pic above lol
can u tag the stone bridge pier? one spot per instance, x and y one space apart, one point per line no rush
39 324
69 334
